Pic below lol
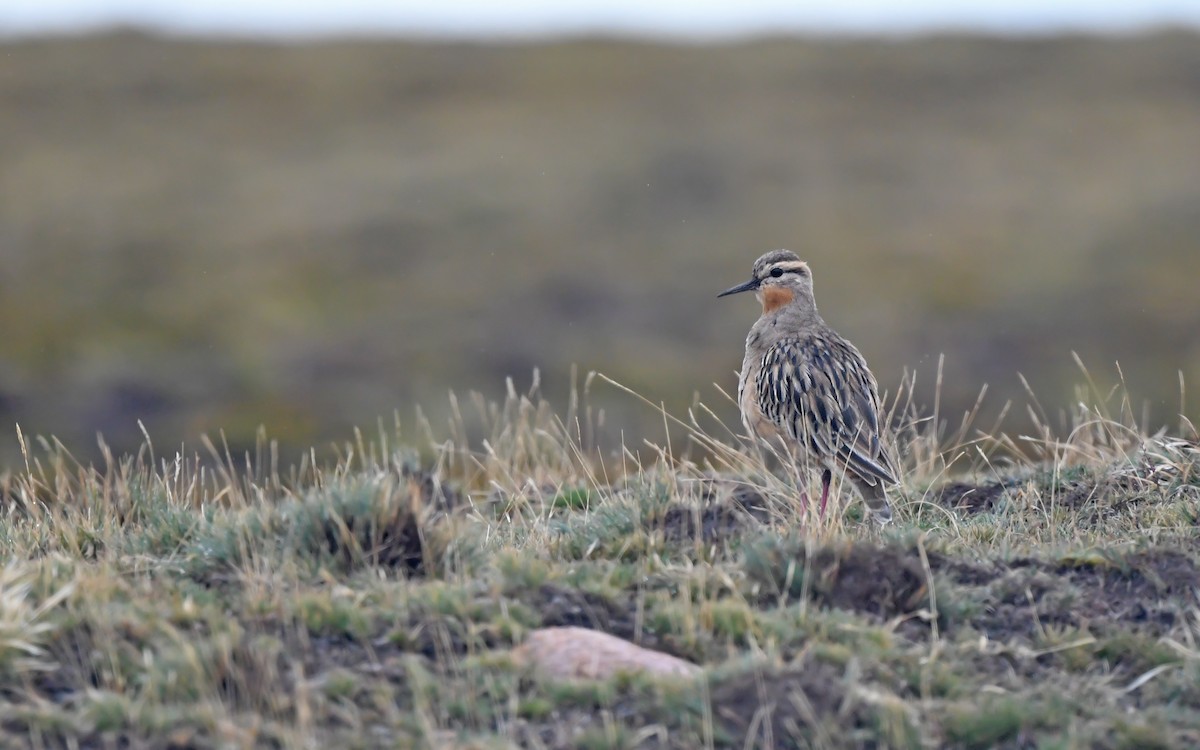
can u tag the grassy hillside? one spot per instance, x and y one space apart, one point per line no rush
217 235
159 601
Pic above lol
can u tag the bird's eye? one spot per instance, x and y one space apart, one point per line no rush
777 272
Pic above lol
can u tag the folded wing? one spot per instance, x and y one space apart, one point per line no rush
819 391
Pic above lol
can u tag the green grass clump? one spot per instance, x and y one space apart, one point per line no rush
988 725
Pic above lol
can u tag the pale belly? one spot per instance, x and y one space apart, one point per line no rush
755 422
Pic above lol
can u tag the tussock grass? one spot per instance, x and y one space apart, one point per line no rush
1035 588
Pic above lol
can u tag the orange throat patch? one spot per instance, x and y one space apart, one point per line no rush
775 297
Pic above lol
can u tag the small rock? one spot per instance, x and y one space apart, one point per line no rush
572 653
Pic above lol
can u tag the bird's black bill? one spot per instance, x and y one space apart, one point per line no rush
748 286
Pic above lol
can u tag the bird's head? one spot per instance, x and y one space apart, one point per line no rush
779 277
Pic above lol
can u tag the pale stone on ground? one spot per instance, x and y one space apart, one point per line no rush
581 654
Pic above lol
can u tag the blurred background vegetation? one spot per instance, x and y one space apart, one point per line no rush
217 235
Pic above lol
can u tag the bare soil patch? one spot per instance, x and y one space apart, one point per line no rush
561 606
857 576
1144 592
758 708
969 498
711 524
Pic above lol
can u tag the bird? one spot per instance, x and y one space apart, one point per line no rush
807 390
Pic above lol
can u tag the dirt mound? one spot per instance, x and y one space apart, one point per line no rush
1145 591
971 498
856 576
711 524
787 708
561 606
1147 587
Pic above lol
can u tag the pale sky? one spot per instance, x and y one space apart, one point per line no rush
682 18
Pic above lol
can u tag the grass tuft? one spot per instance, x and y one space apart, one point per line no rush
1043 596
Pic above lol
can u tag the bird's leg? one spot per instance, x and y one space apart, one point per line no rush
826 478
